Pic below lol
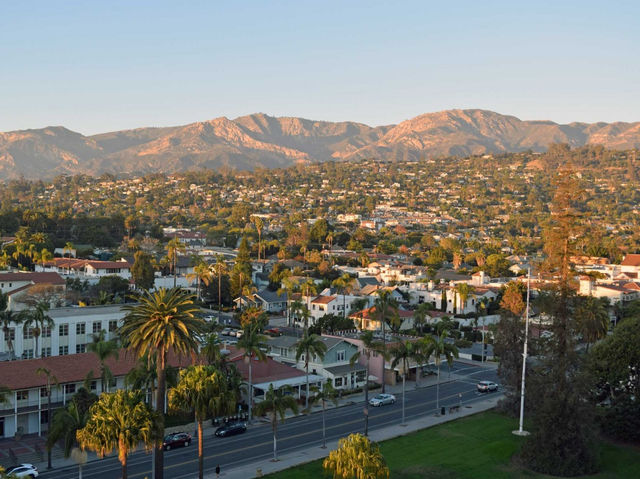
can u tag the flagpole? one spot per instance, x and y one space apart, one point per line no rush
520 431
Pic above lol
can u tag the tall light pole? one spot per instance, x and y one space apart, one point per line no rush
520 431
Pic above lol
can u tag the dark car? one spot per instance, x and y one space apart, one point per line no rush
176 439
231 429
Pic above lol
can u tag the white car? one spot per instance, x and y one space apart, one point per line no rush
23 470
487 386
382 399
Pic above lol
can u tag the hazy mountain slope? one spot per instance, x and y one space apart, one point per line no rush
260 140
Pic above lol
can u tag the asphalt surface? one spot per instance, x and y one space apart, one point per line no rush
296 433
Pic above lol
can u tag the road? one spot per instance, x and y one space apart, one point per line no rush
296 433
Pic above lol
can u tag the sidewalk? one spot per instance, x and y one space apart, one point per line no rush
286 461
31 448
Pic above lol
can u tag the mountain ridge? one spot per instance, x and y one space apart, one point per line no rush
261 140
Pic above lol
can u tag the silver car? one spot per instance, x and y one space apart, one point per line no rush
382 399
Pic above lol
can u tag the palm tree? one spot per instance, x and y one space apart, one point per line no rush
369 346
211 349
464 290
201 390
356 457
38 319
345 284
420 316
50 378
382 304
220 268
122 421
174 247
288 287
439 346
420 354
593 320
201 274
277 402
104 349
66 422
308 287
253 345
402 353
7 319
143 376
259 224
163 320
307 345
323 395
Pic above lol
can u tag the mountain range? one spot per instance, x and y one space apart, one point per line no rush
260 140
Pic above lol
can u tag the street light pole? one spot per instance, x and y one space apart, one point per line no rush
520 431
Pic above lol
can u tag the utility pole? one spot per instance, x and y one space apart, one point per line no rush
520 431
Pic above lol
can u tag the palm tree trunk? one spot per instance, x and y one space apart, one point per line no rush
36 352
250 391
219 297
403 380
306 396
324 433
200 450
48 423
366 400
418 368
438 390
161 373
124 467
384 352
175 257
275 436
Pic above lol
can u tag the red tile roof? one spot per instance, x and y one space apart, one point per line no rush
631 260
323 299
37 278
262 371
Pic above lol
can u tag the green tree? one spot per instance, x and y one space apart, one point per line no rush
593 320
324 395
307 345
369 347
142 270
51 379
276 403
220 269
402 353
163 320
253 346
64 426
259 225
383 305
356 458
345 285
174 248
201 274
201 390
464 290
104 349
122 421
438 346
37 319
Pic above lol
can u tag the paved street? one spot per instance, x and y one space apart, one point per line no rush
297 432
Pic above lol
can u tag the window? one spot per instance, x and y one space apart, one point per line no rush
22 395
360 376
69 388
63 330
81 348
27 333
93 385
63 350
97 327
337 382
46 332
113 325
10 335
340 355
81 328
43 392
28 354
44 416
46 352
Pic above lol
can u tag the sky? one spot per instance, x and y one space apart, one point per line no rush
102 66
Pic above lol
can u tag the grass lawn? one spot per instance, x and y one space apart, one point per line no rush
480 446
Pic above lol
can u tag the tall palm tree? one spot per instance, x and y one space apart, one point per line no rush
288 287
383 304
593 320
439 346
324 395
201 274
7 319
211 349
420 316
277 402
345 284
36 320
464 290
308 287
66 422
307 345
143 377
369 346
220 268
259 224
253 345
402 353
174 247
201 390
104 349
163 320
51 378
122 421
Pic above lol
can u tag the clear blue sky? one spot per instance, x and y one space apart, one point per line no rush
97 66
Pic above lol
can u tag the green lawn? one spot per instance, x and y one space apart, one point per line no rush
476 447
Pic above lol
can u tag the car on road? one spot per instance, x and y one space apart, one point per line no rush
226 331
487 386
231 429
274 332
176 439
23 470
382 399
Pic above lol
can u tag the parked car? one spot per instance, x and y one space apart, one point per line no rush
23 470
239 333
487 386
176 439
382 399
226 332
231 429
273 332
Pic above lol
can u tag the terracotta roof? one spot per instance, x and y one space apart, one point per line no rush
108 264
631 260
47 278
370 313
69 368
262 371
323 299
